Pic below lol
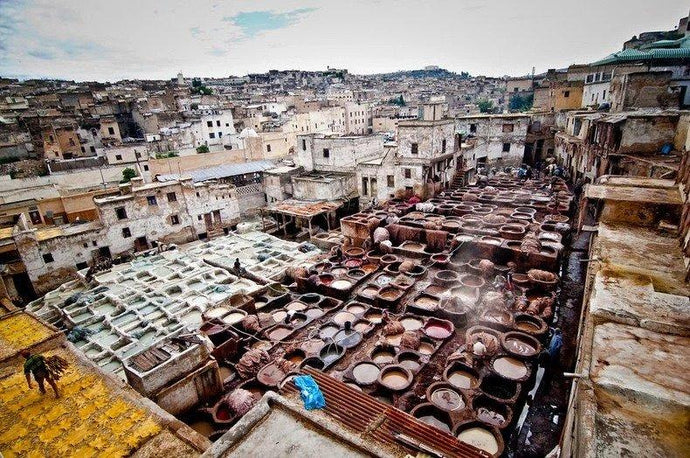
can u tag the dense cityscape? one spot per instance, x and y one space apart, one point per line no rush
299 263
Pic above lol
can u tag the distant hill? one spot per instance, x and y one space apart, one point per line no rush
435 73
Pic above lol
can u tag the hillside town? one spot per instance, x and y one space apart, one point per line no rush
416 263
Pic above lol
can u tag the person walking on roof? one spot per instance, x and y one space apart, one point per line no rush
39 367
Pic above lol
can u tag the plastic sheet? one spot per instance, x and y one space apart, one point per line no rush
310 392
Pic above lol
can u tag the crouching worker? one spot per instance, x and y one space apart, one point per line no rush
48 370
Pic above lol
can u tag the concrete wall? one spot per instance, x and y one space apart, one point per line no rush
331 188
344 153
429 136
493 136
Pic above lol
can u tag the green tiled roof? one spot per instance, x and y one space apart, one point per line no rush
663 49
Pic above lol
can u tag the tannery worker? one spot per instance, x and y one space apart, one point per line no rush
38 366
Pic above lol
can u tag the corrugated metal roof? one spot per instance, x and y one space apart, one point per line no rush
220 171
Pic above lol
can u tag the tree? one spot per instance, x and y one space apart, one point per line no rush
521 103
128 174
202 149
485 106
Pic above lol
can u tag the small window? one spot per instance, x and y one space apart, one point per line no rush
198 217
126 233
220 134
52 139
209 123
443 146
566 94
94 243
508 127
212 135
414 149
118 157
326 152
227 124
48 257
174 219
121 213
82 265
197 194
473 128
408 173
391 181
218 123
506 147
268 148
151 200
365 186
304 145
92 149
146 168
85 244
111 131
83 150
137 154
172 197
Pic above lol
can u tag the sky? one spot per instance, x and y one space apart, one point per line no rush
111 40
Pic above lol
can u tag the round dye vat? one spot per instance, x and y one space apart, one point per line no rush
426 302
426 348
259 304
338 271
438 329
511 368
261 345
353 263
356 273
355 308
341 284
310 298
314 313
394 339
491 417
312 346
411 323
383 356
295 357
409 361
366 373
447 399
204 428
343 317
520 347
435 422
279 316
296 305
369 291
331 353
462 379
233 318
481 438
326 279
348 339
217 312
279 333
526 326
395 378
374 316
362 326
328 331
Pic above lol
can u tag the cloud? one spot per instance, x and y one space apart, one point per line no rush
255 22
41 54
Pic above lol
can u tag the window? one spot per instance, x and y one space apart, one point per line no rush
408 173
414 148
137 154
111 131
94 243
566 94
174 219
391 181
365 186
227 124
51 138
83 150
198 217
35 216
92 149
268 148
603 95
443 146
172 197
209 123
326 152
212 135
506 147
220 134
218 123
121 213
197 194
152 200
85 245
146 168
304 145
508 127
126 233
118 157
473 128
48 257
82 265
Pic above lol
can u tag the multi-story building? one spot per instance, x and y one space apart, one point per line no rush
499 140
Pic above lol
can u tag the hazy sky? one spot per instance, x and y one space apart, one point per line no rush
111 40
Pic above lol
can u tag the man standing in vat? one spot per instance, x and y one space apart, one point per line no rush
43 369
